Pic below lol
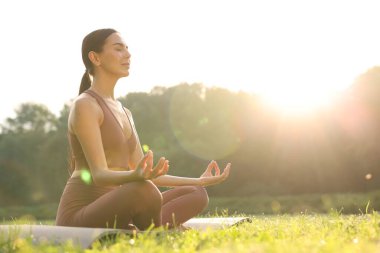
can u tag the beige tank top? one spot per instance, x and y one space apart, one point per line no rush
117 147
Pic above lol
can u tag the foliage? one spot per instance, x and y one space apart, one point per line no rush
33 156
333 150
30 118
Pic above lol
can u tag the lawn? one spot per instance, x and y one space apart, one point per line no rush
333 232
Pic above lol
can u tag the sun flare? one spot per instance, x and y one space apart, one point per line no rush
299 99
301 90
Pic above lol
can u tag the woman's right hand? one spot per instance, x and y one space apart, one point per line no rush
145 169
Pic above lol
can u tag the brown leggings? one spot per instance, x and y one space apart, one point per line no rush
139 203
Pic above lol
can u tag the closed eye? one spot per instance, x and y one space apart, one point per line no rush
120 45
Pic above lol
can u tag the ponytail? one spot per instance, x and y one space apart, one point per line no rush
93 41
85 83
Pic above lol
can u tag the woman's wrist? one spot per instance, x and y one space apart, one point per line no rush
200 182
134 175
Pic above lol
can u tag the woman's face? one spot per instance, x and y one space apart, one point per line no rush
115 57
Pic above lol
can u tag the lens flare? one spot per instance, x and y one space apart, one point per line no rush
196 126
145 148
85 175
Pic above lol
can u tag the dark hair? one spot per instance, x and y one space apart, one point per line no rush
94 41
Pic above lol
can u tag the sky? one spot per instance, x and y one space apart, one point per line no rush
293 53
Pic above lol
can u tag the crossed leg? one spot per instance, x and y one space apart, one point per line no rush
136 202
182 203
142 204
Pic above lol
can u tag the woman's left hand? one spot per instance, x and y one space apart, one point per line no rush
145 169
210 178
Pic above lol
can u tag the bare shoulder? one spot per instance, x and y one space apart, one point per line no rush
126 109
85 100
84 108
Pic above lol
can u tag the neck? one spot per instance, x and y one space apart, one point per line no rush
104 86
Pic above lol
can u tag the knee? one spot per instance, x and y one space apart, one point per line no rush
148 192
202 196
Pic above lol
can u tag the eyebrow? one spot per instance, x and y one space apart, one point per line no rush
119 44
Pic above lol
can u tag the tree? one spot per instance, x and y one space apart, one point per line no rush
32 149
30 117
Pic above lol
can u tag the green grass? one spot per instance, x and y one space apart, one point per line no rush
333 232
347 222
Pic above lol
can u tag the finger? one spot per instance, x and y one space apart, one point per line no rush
226 171
160 164
147 172
217 170
164 169
227 168
214 166
158 167
142 163
210 167
139 172
149 160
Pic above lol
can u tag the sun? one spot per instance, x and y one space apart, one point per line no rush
299 98
301 89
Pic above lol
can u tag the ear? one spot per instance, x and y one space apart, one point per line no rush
94 58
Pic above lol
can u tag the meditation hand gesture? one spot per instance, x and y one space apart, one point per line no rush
208 178
145 170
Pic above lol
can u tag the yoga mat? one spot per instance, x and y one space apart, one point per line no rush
215 223
84 237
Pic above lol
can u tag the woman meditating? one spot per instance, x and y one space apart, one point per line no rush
122 191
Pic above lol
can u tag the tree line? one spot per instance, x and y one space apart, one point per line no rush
334 149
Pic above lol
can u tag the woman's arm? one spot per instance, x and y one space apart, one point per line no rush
84 121
207 178
172 181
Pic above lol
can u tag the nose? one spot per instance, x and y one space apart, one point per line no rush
127 53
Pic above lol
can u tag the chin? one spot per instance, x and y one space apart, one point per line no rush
124 74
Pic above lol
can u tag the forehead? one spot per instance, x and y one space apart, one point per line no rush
115 38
